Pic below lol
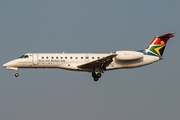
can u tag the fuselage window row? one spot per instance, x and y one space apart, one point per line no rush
65 57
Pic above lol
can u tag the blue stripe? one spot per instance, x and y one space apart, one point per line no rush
147 53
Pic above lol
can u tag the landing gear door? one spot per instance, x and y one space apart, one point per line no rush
35 58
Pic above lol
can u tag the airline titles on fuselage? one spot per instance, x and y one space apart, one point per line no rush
50 61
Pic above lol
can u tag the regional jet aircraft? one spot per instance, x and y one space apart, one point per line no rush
93 63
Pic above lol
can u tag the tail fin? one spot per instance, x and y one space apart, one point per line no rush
158 45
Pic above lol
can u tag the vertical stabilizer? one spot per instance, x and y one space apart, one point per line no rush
158 45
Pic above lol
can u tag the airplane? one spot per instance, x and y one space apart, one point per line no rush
93 63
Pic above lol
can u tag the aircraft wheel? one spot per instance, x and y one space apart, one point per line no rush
93 74
96 78
16 75
98 75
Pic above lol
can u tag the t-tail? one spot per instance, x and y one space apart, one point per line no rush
158 45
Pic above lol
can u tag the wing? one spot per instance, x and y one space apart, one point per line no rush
101 63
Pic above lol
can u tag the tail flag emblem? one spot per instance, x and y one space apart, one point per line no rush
158 45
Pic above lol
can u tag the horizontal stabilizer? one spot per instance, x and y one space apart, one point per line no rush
166 36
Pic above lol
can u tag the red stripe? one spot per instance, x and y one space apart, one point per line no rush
171 36
157 41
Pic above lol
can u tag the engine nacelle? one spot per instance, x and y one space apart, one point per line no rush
129 55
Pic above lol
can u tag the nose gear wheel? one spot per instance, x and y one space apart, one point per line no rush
16 75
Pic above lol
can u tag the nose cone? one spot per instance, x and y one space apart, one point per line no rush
6 65
10 64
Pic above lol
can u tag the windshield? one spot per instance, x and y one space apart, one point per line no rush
21 56
24 56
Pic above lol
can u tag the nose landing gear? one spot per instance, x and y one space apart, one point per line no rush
16 75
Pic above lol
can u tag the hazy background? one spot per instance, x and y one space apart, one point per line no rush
89 26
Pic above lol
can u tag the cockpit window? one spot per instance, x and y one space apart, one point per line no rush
24 56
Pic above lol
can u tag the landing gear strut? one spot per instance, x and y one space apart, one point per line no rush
96 76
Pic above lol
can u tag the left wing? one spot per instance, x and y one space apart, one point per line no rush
101 63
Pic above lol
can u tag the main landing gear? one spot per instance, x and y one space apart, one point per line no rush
96 76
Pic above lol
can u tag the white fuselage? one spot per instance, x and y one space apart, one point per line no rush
71 61
94 63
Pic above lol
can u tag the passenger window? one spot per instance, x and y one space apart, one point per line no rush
52 57
46 57
92 57
56 57
42 57
61 57
70 57
81 57
65 57
76 57
98 58
87 57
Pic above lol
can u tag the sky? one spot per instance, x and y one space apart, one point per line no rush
89 26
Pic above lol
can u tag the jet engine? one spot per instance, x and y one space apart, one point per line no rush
129 55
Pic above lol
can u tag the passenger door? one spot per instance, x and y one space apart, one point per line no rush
34 58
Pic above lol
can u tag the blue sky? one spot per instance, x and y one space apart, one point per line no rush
96 26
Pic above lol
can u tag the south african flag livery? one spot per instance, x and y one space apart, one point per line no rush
158 45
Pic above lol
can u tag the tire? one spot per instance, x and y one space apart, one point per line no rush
96 78
16 75
98 75
93 74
